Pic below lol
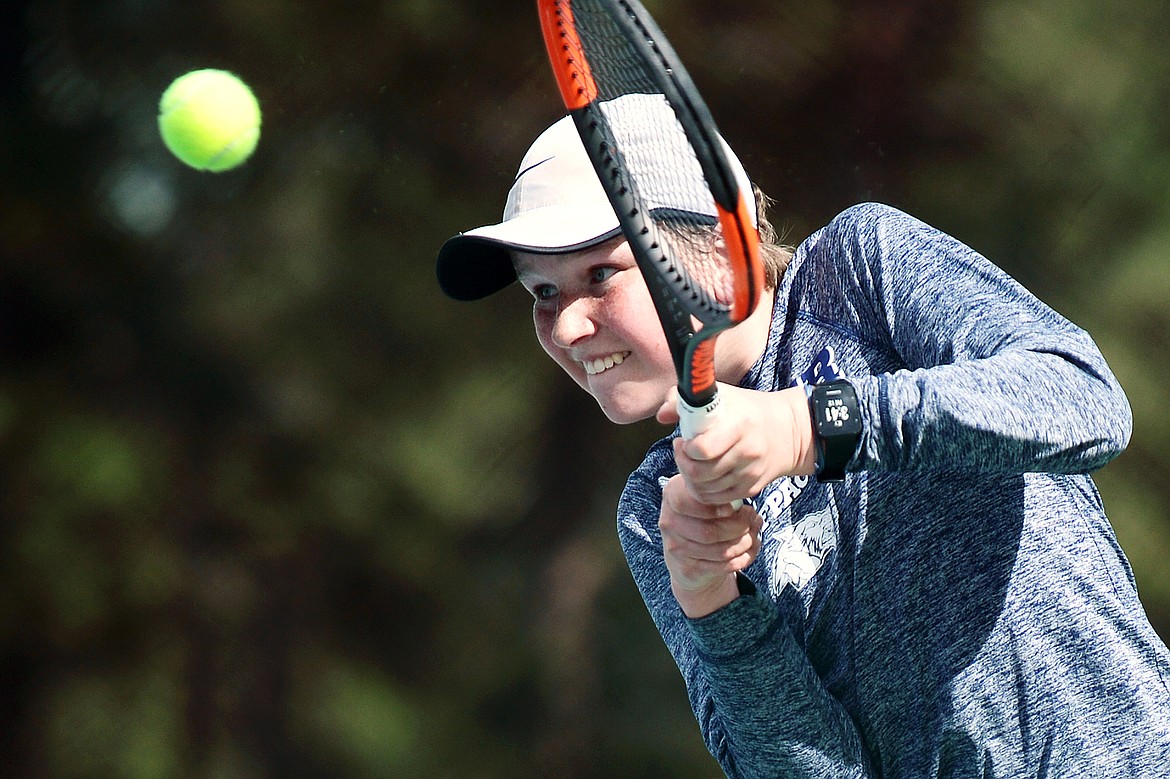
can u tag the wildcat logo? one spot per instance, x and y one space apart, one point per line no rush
802 549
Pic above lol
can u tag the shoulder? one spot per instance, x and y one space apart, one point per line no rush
873 239
854 244
868 213
875 222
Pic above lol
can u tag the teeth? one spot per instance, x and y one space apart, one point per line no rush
594 367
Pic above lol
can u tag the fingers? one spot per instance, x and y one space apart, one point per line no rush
680 496
667 413
728 476
701 533
695 566
732 552
711 444
759 437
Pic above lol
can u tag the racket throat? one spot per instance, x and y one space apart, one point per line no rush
696 386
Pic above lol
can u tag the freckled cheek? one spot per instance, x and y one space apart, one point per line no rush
640 328
544 322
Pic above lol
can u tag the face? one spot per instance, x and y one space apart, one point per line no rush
594 317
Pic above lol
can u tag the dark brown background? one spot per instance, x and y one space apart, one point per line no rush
272 507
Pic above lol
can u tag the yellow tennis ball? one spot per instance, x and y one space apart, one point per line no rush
209 119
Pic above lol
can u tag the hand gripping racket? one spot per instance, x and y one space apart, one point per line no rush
686 214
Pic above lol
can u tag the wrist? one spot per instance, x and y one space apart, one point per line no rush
703 602
836 426
803 445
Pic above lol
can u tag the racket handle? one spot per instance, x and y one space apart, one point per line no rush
693 420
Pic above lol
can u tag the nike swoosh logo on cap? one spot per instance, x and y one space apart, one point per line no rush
530 167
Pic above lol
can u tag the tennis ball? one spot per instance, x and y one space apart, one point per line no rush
209 119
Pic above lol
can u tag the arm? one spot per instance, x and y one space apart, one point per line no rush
984 376
761 707
956 366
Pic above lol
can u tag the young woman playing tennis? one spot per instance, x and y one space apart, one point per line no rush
930 589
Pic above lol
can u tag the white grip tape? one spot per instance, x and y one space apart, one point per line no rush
694 420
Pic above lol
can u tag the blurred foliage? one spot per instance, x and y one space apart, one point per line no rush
272 507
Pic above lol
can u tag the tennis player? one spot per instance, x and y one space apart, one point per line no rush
922 581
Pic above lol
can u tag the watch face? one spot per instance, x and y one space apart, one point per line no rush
837 412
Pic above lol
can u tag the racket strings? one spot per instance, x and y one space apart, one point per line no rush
662 174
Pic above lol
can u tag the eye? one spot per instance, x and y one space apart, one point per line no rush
544 292
601 273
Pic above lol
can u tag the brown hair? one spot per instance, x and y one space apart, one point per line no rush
774 254
700 242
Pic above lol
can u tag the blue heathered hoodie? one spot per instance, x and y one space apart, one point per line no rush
959 605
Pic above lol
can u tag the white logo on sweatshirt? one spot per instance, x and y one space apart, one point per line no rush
802 549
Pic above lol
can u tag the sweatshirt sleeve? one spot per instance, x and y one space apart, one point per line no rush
983 375
778 723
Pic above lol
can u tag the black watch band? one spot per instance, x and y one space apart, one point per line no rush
836 418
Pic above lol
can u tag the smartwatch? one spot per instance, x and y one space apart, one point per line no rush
836 419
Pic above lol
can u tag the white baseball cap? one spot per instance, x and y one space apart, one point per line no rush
556 204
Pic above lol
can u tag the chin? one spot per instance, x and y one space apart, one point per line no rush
623 419
626 414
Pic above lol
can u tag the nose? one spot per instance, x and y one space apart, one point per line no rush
575 321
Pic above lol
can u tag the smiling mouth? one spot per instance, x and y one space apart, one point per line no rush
602 364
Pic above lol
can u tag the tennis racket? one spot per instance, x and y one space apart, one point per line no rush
685 213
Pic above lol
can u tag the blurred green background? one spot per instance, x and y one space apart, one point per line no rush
273 507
